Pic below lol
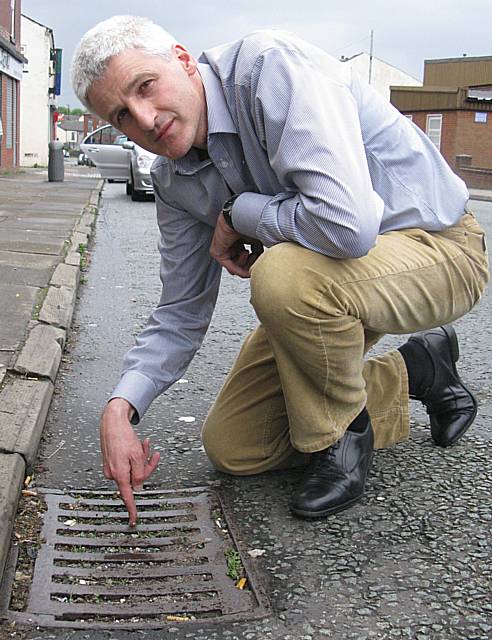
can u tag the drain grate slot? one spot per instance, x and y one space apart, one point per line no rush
93 571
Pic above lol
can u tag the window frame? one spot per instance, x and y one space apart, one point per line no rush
428 129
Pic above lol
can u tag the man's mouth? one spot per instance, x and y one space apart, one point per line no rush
164 131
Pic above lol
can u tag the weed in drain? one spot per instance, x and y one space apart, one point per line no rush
27 538
235 567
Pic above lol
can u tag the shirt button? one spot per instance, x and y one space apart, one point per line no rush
224 164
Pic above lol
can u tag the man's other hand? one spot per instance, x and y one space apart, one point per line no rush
228 248
126 460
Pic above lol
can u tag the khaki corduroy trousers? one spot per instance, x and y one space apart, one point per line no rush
301 377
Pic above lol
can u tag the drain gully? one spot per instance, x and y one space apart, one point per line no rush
93 571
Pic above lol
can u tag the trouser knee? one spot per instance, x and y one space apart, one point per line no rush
220 452
289 282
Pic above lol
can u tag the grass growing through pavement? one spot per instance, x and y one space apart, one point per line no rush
83 256
234 565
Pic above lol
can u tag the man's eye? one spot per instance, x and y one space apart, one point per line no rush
121 115
145 85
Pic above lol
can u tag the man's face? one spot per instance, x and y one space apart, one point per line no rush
160 105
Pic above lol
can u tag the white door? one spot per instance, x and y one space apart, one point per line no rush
103 147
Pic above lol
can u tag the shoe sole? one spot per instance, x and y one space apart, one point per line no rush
312 515
455 354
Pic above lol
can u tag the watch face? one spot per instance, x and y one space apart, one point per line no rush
229 203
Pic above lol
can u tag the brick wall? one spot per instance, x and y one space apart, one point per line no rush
5 18
475 139
6 21
462 135
476 178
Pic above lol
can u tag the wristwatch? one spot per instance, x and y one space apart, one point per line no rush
227 210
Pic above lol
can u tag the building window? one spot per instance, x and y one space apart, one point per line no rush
74 136
409 116
434 127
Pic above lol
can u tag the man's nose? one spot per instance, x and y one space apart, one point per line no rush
144 115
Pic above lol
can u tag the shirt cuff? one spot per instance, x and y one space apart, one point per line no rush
246 212
136 389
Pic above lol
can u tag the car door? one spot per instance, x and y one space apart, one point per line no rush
104 147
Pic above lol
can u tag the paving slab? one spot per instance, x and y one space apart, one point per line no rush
37 221
32 241
26 268
17 304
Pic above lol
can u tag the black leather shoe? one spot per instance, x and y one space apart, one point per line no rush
335 477
450 405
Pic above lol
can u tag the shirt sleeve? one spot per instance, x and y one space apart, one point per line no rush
175 330
307 121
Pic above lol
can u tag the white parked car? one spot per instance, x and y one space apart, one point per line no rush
120 159
139 182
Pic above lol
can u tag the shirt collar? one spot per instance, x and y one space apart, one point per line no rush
218 116
219 120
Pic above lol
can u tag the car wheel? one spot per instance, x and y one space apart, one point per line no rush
129 187
137 195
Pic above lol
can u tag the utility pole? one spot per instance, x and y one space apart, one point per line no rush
370 55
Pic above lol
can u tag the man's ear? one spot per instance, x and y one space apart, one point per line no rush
187 60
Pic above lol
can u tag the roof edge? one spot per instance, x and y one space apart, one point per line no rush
461 59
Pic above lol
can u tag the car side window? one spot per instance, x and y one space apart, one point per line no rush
95 138
106 135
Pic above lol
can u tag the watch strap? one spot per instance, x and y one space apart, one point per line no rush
227 210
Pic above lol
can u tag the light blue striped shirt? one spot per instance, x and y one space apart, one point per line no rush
319 159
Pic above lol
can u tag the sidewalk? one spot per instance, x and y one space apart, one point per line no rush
44 228
484 195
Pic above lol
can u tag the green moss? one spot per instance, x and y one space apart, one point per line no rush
40 296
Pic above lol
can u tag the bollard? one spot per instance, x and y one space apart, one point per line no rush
56 167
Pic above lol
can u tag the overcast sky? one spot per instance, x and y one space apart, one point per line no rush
405 34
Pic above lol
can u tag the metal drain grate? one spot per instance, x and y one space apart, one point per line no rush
93 571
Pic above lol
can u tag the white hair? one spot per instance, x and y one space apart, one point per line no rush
110 38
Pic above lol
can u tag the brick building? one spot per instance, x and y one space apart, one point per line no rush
454 108
11 67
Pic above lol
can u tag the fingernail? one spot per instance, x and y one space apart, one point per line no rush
133 524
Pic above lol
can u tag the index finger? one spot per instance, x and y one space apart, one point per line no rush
126 494
234 269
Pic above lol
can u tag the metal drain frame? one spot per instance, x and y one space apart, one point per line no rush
232 603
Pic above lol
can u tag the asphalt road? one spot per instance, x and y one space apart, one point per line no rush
411 561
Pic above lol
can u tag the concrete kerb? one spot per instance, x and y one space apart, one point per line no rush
12 473
27 387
